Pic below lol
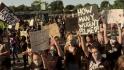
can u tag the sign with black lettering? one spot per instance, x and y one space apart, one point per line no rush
88 20
7 15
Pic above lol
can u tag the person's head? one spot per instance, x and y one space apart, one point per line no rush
100 38
122 29
23 38
37 60
74 42
57 39
113 40
95 52
120 63
69 36
89 38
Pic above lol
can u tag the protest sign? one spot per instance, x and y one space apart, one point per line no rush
31 22
88 20
115 16
17 26
54 30
23 33
7 15
39 40
71 24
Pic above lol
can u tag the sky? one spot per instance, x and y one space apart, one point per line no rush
66 2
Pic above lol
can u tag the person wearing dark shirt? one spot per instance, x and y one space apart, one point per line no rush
113 46
23 45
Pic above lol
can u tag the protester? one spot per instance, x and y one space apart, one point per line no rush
120 63
5 63
122 40
56 51
14 48
72 57
37 63
23 45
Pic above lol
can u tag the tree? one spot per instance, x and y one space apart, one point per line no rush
35 5
13 8
87 4
119 4
57 6
69 8
105 5
78 6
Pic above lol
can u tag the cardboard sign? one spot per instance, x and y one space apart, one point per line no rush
88 20
17 26
39 40
115 16
54 30
23 33
71 24
7 15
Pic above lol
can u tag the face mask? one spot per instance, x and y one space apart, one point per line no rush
112 42
37 63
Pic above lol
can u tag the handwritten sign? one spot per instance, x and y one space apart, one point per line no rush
88 20
115 16
7 15
23 33
17 26
39 40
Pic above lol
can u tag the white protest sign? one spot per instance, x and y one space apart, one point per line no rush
31 22
39 40
23 33
115 15
17 26
7 15
88 20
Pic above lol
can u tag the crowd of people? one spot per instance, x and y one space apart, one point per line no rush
68 52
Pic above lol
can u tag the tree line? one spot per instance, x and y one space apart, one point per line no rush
58 6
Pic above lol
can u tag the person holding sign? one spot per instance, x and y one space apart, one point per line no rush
113 46
95 59
72 55
23 45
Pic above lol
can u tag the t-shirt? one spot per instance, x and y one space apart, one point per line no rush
101 65
23 46
113 52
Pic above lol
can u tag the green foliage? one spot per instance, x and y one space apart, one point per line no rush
57 6
2 25
118 4
105 5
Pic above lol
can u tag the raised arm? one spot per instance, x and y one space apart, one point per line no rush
120 34
105 33
84 47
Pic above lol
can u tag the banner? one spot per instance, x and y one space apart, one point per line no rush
7 15
115 16
88 20
39 40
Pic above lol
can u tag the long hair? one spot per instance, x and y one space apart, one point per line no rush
119 63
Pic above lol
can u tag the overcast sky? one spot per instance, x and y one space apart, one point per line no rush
66 2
